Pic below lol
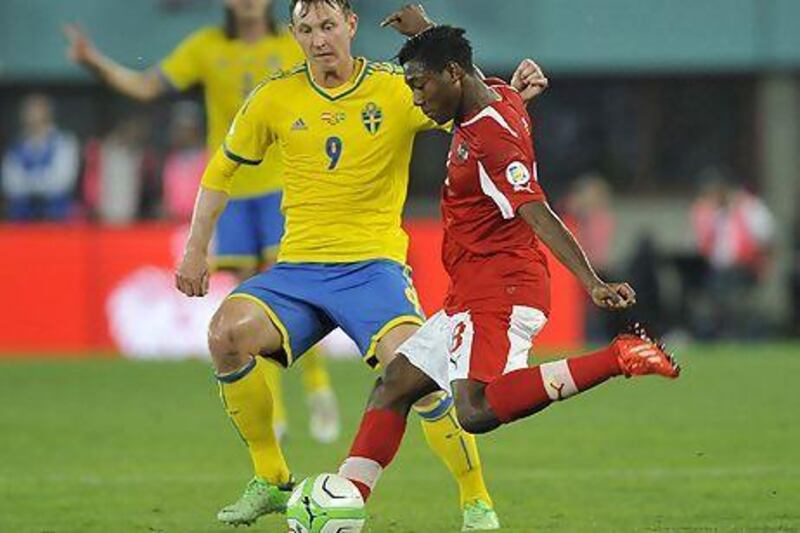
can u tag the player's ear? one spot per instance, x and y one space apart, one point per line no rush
352 24
455 71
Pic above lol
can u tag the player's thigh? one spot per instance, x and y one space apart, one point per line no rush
270 226
236 240
282 295
376 305
488 343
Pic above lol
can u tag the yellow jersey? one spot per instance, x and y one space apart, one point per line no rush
346 154
228 70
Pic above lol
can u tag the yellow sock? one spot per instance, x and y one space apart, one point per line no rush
273 375
455 447
248 402
315 373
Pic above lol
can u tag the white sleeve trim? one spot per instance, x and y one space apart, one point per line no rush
490 189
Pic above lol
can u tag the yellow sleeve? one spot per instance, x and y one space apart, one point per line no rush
183 67
250 134
218 175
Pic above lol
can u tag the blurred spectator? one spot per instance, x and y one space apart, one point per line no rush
644 275
41 169
118 169
588 207
733 231
185 162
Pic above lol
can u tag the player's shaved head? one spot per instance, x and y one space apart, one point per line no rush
305 5
437 47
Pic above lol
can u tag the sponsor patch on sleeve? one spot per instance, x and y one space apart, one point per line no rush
519 176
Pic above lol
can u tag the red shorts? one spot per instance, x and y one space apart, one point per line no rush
480 345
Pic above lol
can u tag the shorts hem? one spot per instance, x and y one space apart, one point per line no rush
285 343
370 357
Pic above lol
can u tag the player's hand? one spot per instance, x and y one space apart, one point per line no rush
529 80
409 20
80 49
616 296
192 276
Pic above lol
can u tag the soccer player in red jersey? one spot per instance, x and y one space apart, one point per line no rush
495 216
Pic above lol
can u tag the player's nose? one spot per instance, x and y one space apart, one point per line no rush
318 40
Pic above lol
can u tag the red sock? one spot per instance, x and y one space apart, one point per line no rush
374 447
594 368
524 392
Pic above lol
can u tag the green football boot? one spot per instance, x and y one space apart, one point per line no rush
479 516
259 498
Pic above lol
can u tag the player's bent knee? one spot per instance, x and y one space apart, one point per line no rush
470 421
473 420
237 331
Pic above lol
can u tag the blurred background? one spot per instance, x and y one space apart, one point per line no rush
670 139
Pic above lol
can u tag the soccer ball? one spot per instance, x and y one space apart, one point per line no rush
326 503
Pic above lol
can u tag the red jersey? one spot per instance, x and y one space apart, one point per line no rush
491 255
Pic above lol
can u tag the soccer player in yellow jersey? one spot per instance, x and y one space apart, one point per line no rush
345 128
228 62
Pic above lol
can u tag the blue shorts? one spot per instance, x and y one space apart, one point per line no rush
306 301
249 230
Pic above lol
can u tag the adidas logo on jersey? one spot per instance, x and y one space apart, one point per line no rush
299 125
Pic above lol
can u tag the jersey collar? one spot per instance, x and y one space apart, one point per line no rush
344 89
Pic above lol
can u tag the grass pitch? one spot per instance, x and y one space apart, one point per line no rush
113 445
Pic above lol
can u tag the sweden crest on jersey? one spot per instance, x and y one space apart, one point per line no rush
372 117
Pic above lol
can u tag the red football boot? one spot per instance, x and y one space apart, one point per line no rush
639 355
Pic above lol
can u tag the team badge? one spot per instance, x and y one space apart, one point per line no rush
372 117
519 176
333 118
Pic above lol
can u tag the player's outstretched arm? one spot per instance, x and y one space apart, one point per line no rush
192 275
553 233
142 86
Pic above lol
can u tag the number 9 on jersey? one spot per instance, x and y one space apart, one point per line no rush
333 148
